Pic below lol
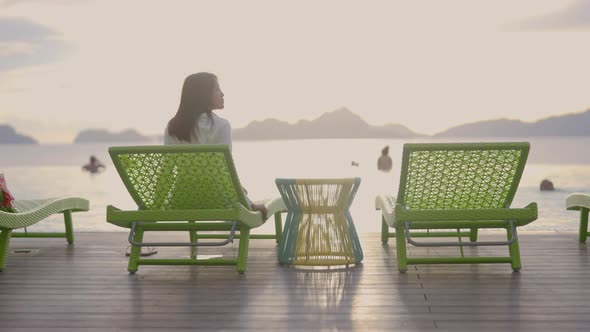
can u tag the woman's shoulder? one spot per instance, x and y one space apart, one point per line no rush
218 121
218 118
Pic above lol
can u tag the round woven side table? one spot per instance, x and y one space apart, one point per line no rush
319 229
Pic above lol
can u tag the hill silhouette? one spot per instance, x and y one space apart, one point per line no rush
9 136
573 124
341 123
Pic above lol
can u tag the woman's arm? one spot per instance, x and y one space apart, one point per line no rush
260 207
225 136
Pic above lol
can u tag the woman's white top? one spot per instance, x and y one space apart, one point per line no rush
217 131
206 131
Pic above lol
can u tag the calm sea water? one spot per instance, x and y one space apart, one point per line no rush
55 170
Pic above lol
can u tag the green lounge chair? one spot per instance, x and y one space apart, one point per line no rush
581 202
192 188
456 186
28 213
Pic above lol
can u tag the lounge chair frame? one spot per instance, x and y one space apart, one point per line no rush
457 186
192 188
580 202
30 212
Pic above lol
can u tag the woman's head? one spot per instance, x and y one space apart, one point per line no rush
385 150
200 94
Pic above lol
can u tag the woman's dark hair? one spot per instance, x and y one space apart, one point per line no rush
194 101
385 150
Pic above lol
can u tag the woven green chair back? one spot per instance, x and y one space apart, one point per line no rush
179 177
461 175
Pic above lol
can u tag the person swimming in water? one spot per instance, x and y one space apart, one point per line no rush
384 163
94 166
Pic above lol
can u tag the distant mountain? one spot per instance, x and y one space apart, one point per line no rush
104 136
341 123
575 124
9 136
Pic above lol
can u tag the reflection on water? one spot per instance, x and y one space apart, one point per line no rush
55 170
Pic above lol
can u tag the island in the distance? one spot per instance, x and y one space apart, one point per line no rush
9 136
573 124
341 123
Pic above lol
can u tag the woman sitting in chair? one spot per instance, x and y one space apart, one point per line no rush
195 122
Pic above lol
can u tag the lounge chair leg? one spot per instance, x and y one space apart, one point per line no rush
69 227
278 227
400 240
4 242
193 237
135 251
473 235
514 250
583 224
243 249
384 230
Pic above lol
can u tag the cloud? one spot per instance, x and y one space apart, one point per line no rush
20 29
24 43
9 3
574 16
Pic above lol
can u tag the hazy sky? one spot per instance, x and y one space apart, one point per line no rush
66 65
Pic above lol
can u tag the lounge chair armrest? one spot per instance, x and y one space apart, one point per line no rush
126 218
387 204
273 205
577 201
251 218
255 219
531 206
522 216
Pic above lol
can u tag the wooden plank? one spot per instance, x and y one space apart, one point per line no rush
86 286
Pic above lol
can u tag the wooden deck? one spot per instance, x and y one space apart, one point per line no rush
86 285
